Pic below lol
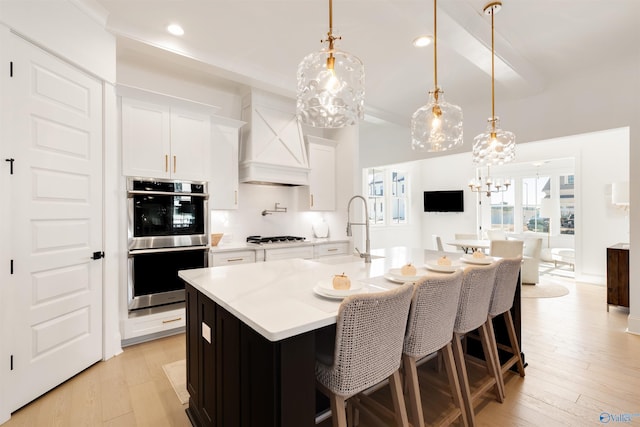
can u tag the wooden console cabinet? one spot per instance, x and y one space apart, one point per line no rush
618 275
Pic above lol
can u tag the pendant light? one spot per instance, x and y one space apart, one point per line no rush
494 146
330 90
436 126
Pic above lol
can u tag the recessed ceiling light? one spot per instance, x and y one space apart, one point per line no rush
422 41
175 29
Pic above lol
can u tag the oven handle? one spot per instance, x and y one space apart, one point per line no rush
132 193
176 249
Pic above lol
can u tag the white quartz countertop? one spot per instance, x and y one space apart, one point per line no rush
229 247
276 298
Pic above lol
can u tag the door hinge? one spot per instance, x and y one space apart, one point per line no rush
10 68
11 160
11 363
11 267
97 255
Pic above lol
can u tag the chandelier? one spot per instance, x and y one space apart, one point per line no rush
330 91
436 126
493 146
489 185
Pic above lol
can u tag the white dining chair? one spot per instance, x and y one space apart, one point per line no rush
437 243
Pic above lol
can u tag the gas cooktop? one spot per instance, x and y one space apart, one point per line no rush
259 240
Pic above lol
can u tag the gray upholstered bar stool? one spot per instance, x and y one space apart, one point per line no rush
473 311
434 307
367 350
504 290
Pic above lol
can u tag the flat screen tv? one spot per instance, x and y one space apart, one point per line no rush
444 201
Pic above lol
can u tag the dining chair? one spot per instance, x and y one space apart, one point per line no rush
531 260
473 311
496 234
437 243
504 289
506 248
432 315
367 350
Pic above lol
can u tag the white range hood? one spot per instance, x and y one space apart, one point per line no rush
272 149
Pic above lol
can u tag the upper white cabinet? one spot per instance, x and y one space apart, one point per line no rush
160 141
223 185
320 194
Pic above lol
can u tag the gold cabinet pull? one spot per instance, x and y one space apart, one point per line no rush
332 249
174 164
235 194
234 259
311 200
172 320
166 163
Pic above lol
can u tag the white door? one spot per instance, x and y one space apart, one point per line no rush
54 132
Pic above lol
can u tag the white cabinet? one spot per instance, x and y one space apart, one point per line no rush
320 194
273 254
243 256
330 249
159 141
163 322
223 185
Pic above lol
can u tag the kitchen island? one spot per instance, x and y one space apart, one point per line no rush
251 333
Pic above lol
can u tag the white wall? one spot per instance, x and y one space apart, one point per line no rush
70 29
600 159
384 236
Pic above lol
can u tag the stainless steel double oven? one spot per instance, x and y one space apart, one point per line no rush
168 226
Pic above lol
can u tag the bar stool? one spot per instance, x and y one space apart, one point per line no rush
433 311
473 311
504 290
367 350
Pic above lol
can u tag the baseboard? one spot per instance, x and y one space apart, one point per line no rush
633 325
150 337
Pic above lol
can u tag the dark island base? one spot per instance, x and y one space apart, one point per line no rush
237 377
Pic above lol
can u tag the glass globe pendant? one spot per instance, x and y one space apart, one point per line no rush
330 91
436 126
494 146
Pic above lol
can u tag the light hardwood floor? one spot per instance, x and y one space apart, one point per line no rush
581 363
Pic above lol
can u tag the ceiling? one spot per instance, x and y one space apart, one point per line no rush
261 42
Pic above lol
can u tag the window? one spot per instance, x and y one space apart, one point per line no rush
502 209
536 203
387 189
398 198
375 184
567 205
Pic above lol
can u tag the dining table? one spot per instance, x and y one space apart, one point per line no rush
470 245
252 329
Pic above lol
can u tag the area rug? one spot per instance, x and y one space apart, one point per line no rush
544 289
177 374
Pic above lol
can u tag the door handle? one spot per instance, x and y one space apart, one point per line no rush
97 255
